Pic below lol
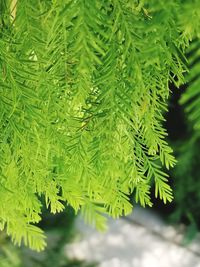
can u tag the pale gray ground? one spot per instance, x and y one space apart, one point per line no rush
141 240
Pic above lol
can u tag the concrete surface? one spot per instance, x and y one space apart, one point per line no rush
140 240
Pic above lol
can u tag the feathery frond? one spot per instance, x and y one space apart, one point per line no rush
83 89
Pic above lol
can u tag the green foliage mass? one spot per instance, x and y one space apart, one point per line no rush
60 231
186 173
83 88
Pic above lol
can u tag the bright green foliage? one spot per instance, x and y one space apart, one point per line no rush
59 230
83 88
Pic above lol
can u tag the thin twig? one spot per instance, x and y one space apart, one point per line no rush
13 9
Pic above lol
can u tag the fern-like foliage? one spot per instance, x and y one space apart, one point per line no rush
191 97
83 89
186 175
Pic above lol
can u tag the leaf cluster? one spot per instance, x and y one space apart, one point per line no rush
83 88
